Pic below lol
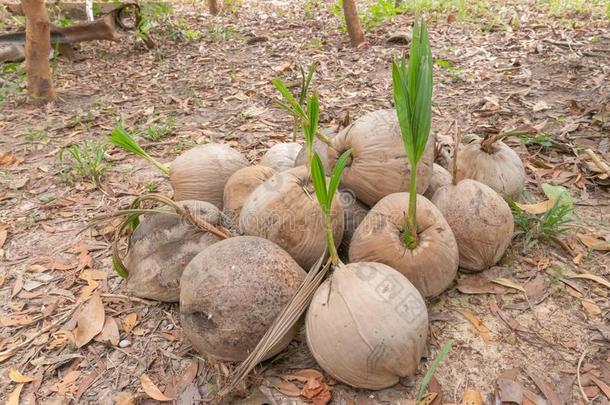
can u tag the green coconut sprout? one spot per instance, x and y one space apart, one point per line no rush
413 100
121 138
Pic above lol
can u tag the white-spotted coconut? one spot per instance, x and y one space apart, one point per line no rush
284 210
492 163
367 326
231 293
161 247
239 187
281 156
379 165
431 266
440 177
202 172
481 220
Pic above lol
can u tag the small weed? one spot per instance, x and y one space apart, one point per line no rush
183 145
152 16
155 132
151 187
84 161
542 140
181 32
13 80
64 21
220 33
310 7
232 6
380 11
37 135
455 73
316 43
548 226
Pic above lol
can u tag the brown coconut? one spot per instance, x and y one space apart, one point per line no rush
379 165
320 148
202 172
239 187
232 292
161 247
367 326
495 165
281 156
481 220
354 212
284 210
431 266
440 177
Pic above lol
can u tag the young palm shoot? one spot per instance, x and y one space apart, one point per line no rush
121 138
413 100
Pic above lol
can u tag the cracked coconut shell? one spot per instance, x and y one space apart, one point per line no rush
481 220
202 172
239 187
284 210
161 247
281 156
379 165
231 294
501 168
367 326
431 266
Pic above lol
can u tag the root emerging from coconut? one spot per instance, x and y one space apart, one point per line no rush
239 187
202 172
496 165
284 210
161 247
232 292
379 165
440 177
481 220
281 156
431 266
367 326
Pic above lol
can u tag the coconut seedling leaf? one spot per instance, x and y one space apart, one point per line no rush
121 138
442 353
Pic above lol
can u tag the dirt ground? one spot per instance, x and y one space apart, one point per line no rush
539 334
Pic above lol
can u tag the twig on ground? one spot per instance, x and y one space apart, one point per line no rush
582 391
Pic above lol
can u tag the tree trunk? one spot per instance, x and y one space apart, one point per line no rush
37 50
214 6
352 21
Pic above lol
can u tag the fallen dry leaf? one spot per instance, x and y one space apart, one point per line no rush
125 398
477 323
3 233
151 389
602 385
13 397
9 159
472 397
17 377
90 321
508 283
130 321
591 307
67 383
479 285
592 277
589 241
537 208
509 391
188 375
16 320
287 388
109 333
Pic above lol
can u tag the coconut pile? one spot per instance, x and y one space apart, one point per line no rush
240 241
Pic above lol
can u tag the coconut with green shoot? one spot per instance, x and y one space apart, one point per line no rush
405 230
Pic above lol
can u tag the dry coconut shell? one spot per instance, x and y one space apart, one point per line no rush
354 212
501 169
367 326
284 210
379 165
239 187
161 247
440 177
201 172
281 156
232 292
431 266
481 220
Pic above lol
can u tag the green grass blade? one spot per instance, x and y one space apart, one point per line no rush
335 177
439 358
318 179
119 137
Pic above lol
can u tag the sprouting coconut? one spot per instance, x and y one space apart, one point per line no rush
440 177
366 325
319 147
164 243
231 293
420 244
481 220
199 173
281 156
239 187
492 162
378 166
283 209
